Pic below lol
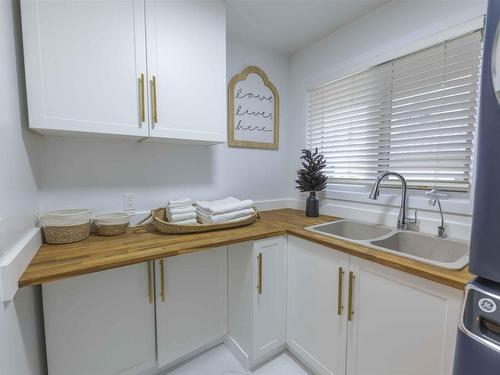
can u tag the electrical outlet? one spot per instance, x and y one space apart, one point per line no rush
129 201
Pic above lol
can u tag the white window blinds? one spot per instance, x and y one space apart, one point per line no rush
415 115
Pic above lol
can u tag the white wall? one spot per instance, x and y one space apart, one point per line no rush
21 348
393 30
77 172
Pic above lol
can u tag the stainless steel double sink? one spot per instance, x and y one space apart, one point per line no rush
439 252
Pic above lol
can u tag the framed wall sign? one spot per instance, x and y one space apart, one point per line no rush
253 110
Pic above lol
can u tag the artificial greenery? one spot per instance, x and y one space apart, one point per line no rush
311 177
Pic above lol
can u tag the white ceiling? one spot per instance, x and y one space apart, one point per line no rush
290 25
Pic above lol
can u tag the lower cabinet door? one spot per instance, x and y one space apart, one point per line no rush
269 299
401 324
191 303
316 328
101 323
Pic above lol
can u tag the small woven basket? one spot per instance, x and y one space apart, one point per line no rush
66 234
111 230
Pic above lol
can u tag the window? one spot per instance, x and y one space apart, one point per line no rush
415 115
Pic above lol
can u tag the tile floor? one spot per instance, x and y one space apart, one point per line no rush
220 361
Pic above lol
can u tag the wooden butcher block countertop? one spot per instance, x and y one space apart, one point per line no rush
54 262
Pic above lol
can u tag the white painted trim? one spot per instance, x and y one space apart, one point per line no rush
262 360
186 358
14 262
455 206
449 30
238 352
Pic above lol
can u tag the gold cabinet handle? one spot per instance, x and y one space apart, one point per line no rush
150 282
339 301
142 98
259 285
350 311
162 280
154 101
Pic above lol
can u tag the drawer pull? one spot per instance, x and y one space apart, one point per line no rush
339 301
259 285
350 311
153 101
162 280
142 98
150 282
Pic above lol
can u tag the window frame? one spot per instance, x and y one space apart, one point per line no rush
460 202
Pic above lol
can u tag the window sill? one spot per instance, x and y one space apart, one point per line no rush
416 200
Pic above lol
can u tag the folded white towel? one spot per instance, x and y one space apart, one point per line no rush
181 210
182 202
222 218
186 222
181 217
223 206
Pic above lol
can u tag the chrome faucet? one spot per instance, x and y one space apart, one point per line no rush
436 196
441 229
402 218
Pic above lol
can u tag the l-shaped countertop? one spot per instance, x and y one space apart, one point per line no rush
54 262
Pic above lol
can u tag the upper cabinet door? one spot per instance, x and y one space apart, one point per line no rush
84 61
187 63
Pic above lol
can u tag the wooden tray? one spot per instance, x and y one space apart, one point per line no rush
159 221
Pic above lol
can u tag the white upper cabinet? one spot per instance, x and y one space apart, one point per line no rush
83 61
88 70
187 59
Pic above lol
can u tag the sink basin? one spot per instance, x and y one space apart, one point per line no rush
351 230
444 253
426 248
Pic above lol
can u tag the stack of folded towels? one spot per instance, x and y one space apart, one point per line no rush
181 211
224 210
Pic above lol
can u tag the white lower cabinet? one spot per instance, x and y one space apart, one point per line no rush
337 313
402 324
316 333
191 304
398 323
257 299
101 323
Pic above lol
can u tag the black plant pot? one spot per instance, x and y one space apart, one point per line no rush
312 205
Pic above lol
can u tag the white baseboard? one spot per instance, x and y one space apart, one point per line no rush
250 364
307 360
257 362
187 357
14 262
238 352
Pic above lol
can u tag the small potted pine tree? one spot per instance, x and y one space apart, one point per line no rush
312 179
